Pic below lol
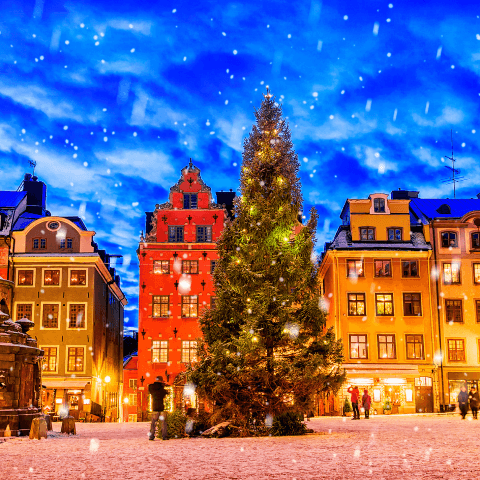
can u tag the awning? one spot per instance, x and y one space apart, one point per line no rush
60 383
463 375
375 369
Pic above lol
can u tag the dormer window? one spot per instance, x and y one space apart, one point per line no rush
379 205
395 234
449 239
367 233
190 200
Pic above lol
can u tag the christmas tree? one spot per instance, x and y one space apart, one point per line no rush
266 349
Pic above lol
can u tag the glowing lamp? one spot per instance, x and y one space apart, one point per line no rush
58 400
107 379
125 400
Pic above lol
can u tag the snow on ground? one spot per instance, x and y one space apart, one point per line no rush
383 447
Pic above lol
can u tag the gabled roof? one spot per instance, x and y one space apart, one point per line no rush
428 209
133 356
11 199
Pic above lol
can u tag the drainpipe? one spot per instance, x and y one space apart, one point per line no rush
439 319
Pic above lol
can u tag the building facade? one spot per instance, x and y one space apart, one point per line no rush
130 382
377 288
65 284
177 256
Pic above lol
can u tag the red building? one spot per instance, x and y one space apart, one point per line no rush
176 258
130 376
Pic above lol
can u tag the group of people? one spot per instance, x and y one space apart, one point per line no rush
365 401
466 399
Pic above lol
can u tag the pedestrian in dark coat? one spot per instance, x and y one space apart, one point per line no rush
355 394
463 402
474 400
366 403
158 392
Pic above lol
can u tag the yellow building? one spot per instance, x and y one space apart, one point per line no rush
378 292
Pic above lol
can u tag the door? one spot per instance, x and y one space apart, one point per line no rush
424 399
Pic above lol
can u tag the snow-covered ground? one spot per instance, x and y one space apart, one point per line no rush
383 447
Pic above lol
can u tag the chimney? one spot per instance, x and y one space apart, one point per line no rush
403 194
36 195
478 195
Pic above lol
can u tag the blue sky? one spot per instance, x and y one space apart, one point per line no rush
111 99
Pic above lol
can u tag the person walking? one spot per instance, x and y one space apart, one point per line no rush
354 394
463 402
158 392
366 403
474 400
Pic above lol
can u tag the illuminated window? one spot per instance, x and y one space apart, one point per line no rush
383 268
456 349
189 306
476 272
190 200
78 277
386 346
412 304
24 310
379 205
384 303
50 315
175 234
449 239
355 268
367 233
132 383
454 311
410 268
190 266
75 359
414 347
204 233
451 273
49 359
25 277
356 304
51 277
161 266
76 315
395 234
189 351
477 310
159 351
358 346
160 304
132 399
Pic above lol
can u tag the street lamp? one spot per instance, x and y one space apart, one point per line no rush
106 380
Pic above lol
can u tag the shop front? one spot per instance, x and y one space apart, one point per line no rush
70 397
457 380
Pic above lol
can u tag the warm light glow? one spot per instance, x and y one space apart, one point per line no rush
107 379
254 339
59 400
394 381
86 401
361 381
125 400
409 395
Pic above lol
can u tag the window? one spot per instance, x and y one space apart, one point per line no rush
62 243
78 277
175 234
354 268
213 302
451 273
476 273
24 310
69 242
190 200
161 266
414 347
477 310
204 234
43 243
159 351
412 304
395 234
358 346
49 359
50 315
386 346
367 233
39 243
449 239
475 240
76 315
384 303
36 243
160 304
213 263
25 277
51 277
132 399
190 266
410 268
189 351
454 311
75 359
356 304
132 383
383 268
456 349
379 205
189 306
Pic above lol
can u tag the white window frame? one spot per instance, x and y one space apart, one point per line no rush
130 396
67 371
86 277
59 277
57 362
59 314
34 277
67 318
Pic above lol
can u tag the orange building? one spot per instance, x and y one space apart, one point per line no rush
378 292
176 256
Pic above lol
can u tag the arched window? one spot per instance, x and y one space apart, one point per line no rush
449 239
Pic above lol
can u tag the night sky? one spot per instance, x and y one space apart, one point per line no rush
112 98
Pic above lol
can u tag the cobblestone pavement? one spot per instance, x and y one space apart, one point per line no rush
383 447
